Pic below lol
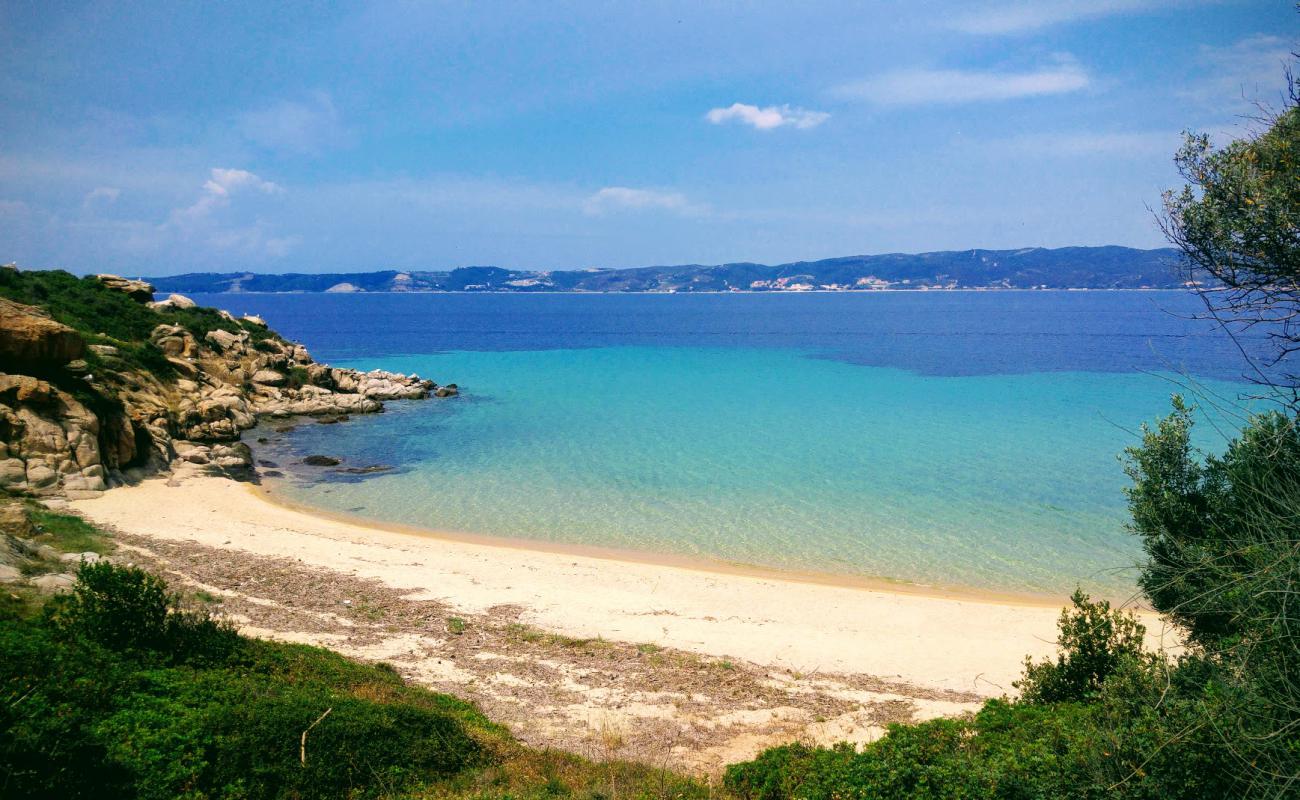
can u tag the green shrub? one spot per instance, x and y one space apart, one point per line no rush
297 378
1093 640
121 608
118 692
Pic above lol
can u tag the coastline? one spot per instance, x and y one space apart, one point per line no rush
700 564
935 640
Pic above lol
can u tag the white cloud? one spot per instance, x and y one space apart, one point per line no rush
768 117
102 194
623 198
219 188
1128 144
1240 74
252 240
308 127
1030 16
915 87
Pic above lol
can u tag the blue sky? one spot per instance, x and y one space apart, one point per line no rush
162 138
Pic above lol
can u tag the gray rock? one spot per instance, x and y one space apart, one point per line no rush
90 557
269 377
58 582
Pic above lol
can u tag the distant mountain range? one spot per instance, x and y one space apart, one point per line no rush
1030 268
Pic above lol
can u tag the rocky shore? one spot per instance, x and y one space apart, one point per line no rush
78 417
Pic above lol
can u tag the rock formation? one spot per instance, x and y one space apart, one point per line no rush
28 337
69 430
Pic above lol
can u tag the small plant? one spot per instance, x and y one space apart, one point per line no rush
297 378
455 626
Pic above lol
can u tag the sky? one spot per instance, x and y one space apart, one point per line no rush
160 138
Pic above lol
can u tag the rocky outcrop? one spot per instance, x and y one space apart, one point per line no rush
49 441
28 337
66 432
140 291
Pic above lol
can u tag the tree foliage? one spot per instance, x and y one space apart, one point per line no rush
1237 222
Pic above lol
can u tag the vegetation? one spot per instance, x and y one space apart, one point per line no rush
66 533
1237 223
122 689
1222 536
107 316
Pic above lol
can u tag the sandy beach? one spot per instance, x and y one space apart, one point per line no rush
810 660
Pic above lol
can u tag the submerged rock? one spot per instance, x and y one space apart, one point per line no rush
369 469
322 461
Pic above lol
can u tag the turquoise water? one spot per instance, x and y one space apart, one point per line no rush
768 456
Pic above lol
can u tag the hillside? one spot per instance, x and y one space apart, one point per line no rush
1030 268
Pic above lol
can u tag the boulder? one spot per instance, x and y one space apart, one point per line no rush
15 521
139 291
269 377
174 340
29 337
256 320
60 582
176 301
225 340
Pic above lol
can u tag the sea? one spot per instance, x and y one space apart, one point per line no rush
955 439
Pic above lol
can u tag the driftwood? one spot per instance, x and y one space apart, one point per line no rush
302 748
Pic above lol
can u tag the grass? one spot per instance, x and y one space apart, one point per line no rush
455 626
531 635
67 533
205 596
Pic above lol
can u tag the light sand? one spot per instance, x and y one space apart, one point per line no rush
971 645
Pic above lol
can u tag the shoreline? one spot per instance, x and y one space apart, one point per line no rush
939 642
702 564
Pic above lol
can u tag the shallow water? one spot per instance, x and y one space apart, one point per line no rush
966 439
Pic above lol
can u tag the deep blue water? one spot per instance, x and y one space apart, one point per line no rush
932 333
966 438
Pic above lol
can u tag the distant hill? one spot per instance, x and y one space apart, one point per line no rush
1030 268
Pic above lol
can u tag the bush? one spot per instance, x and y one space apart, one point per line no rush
129 610
120 692
1094 641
